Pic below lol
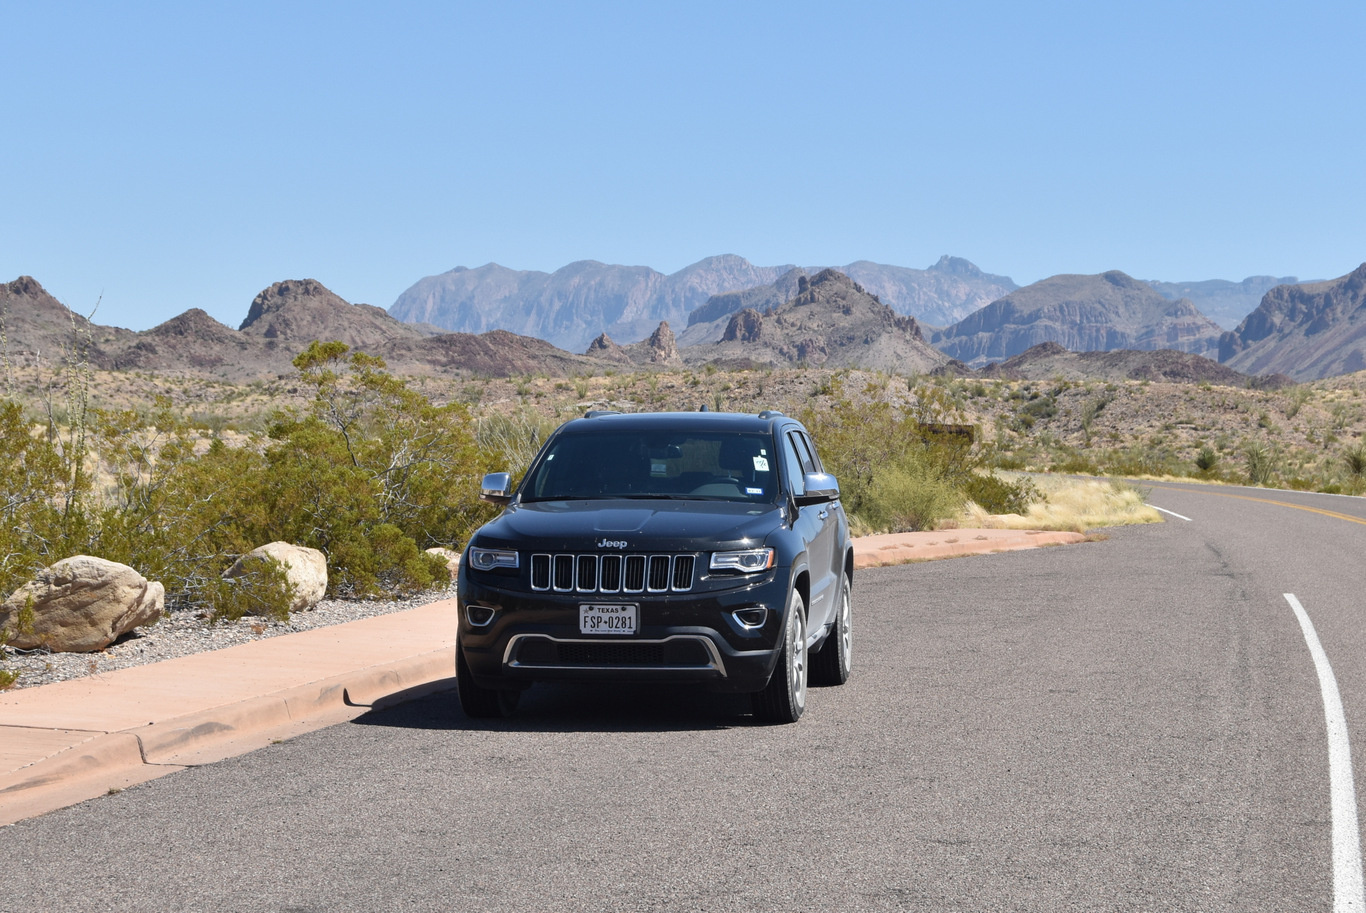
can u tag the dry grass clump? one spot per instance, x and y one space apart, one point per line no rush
1071 505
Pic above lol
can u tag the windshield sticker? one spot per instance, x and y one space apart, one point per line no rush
754 491
659 469
760 464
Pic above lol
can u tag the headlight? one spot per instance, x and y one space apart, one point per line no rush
486 559
749 561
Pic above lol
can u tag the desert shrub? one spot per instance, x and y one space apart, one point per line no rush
1207 459
996 495
372 473
894 473
907 495
1076 504
44 514
175 514
510 440
369 472
1075 463
1261 464
7 676
1355 461
31 487
262 589
1045 407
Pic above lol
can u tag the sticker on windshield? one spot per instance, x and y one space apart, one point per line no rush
754 491
760 464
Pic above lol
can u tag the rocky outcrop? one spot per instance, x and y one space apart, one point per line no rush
831 321
1099 313
194 341
662 347
40 330
1049 360
945 293
296 312
1305 331
744 326
79 605
496 353
760 298
305 568
603 348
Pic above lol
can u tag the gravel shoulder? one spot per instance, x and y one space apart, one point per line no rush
183 633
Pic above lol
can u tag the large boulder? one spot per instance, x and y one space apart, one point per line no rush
305 568
79 605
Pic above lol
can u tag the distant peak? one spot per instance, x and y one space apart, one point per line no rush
957 266
26 285
281 294
1122 280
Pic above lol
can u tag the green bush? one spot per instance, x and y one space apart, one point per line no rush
372 474
369 472
998 496
909 495
262 589
895 471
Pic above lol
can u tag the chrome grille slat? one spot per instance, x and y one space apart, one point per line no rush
596 573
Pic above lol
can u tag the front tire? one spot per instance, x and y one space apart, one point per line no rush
477 701
832 665
784 697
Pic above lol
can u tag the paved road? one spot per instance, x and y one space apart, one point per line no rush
1130 724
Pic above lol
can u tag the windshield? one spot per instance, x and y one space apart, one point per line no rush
709 465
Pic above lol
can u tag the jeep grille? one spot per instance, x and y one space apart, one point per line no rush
566 573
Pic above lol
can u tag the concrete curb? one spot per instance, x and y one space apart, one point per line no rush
904 548
102 762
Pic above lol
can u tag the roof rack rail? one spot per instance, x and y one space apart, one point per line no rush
771 413
595 413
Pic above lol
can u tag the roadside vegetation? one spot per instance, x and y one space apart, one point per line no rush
177 477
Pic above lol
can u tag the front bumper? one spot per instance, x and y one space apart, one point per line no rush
689 637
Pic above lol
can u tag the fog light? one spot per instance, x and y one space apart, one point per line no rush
479 615
752 617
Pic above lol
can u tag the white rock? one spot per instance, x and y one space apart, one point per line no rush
81 604
306 569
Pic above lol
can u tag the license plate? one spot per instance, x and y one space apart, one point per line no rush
607 619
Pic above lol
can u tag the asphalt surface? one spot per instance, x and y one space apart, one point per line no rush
1130 724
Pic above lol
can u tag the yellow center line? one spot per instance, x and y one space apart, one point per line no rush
1317 510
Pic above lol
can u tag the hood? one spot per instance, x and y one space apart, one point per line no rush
654 526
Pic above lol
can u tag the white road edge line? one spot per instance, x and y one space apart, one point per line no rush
1172 512
1347 883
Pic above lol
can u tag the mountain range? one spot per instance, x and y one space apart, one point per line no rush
1305 331
1224 302
572 305
827 319
1081 313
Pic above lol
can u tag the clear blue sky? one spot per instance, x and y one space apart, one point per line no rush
159 157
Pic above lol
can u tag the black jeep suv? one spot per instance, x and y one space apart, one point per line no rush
665 547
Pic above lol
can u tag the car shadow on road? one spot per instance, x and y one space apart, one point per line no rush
575 707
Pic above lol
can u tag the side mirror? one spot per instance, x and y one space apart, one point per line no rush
820 488
496 488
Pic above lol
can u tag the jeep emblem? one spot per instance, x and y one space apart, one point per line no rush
612 543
